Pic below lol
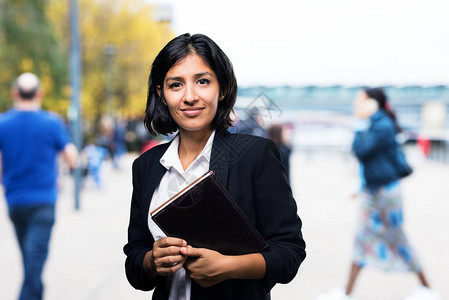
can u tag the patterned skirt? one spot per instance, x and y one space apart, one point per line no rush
380 241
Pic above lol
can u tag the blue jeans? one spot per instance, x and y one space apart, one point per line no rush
33 226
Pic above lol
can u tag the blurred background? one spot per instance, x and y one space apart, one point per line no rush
299 63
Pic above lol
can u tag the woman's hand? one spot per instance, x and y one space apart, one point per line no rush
165 258
208 267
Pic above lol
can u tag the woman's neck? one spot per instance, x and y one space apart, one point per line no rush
191 144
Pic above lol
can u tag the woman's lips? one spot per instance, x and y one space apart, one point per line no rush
192 111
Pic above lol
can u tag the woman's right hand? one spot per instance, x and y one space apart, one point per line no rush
165 258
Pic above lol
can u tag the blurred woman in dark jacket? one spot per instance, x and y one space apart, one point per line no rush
380 240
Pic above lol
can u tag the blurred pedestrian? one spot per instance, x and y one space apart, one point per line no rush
380 240
30 141
252 124
276 133
106 137
94 155
119 141
192 88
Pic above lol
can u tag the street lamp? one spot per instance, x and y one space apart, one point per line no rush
74 113
109 53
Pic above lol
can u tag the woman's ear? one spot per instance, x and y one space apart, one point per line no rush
159 92
221 97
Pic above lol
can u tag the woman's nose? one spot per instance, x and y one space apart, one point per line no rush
190 95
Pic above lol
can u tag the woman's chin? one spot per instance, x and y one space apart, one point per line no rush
193 129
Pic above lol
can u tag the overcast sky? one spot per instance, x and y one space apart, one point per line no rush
286 42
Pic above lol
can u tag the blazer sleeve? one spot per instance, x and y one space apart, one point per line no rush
140 240
277 218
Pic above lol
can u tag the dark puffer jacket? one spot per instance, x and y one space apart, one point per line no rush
376 150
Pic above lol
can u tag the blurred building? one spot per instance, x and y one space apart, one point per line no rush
407 101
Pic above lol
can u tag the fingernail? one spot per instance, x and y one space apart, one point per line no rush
184 243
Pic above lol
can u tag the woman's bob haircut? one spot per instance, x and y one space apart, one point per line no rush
157 116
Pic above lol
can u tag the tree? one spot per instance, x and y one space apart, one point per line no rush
28 44
136 38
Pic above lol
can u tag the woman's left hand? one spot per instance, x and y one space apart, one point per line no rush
206 267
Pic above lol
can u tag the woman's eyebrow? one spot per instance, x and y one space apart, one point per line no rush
202 74
180 78
176 78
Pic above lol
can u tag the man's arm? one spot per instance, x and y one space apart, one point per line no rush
70 154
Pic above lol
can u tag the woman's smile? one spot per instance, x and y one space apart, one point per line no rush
192 111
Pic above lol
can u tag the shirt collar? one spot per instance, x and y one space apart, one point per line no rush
171 155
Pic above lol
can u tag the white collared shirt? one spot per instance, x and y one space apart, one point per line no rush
172 182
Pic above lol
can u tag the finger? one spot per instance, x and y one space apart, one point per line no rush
170 241
169 261
163 271
190 251
171 250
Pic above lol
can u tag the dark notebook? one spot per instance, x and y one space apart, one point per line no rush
205 215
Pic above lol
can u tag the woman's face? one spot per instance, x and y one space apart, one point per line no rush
192 91
364 106
361 96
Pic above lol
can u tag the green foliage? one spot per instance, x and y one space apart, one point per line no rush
136 38
35 37
28 44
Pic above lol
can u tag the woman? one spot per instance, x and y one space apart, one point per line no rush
380 240
192 89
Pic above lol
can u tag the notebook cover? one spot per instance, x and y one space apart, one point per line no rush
206 216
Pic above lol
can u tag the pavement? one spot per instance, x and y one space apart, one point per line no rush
86 259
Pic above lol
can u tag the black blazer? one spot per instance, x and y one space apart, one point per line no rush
251 169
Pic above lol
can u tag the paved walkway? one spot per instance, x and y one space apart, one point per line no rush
86 258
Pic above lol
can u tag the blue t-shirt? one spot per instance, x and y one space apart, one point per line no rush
29 144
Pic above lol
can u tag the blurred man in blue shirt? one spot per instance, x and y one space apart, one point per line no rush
30 141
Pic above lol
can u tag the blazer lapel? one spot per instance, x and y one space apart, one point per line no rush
227 150
153 177
219 161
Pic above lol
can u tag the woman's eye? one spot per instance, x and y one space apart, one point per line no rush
203 81
174 85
